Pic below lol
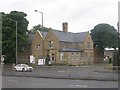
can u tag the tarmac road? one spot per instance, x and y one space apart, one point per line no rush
83 73
30 82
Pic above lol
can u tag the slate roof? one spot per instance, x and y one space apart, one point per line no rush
71 50
44 34
70 37
31 36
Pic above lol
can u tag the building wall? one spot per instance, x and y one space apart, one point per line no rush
24 54
62 58
88 50
70 58
51 43
51 37
37 47
98 56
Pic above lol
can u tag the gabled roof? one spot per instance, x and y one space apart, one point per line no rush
44 34
30 37
70 37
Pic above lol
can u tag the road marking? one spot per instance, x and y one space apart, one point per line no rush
84 86
81 85
77 80
60 71
12 81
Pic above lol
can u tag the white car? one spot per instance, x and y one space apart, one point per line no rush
23 67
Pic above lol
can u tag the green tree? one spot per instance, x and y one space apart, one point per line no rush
104 35
9 33
38 27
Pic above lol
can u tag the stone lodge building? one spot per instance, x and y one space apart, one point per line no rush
63 47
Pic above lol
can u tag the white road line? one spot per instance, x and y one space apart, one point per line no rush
12 81
84 86
60 71
77 80
81 86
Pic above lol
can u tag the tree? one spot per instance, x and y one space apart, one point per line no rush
9 33
104 35
38 27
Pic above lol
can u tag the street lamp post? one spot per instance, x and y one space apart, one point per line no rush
16 37
42 35
118 43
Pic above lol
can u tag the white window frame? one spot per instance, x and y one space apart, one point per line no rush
61 56
37 47
50 44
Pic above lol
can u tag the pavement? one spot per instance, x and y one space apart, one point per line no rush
89 72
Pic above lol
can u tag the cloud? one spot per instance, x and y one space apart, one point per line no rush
81 15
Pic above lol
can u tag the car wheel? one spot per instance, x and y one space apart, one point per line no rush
23 69
30 70
15 69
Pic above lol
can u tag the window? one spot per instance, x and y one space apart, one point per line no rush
72 56
77 56
61 56
53 57
88 44
50 44
37 47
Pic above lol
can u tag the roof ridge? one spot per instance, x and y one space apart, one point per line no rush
70 32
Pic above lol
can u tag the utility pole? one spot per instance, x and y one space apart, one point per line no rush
16 37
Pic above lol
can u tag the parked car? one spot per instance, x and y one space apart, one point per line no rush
23 67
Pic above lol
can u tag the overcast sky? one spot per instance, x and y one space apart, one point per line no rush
81 15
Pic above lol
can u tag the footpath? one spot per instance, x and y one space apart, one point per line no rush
89 72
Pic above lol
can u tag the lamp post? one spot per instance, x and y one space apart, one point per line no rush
118 24
42 35
118 43
16 37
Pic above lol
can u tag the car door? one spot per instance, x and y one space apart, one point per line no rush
18 67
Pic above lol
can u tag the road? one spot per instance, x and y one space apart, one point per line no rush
30 82
81 72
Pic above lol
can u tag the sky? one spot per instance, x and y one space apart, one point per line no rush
81 15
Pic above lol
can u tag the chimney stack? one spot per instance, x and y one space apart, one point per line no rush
65 27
